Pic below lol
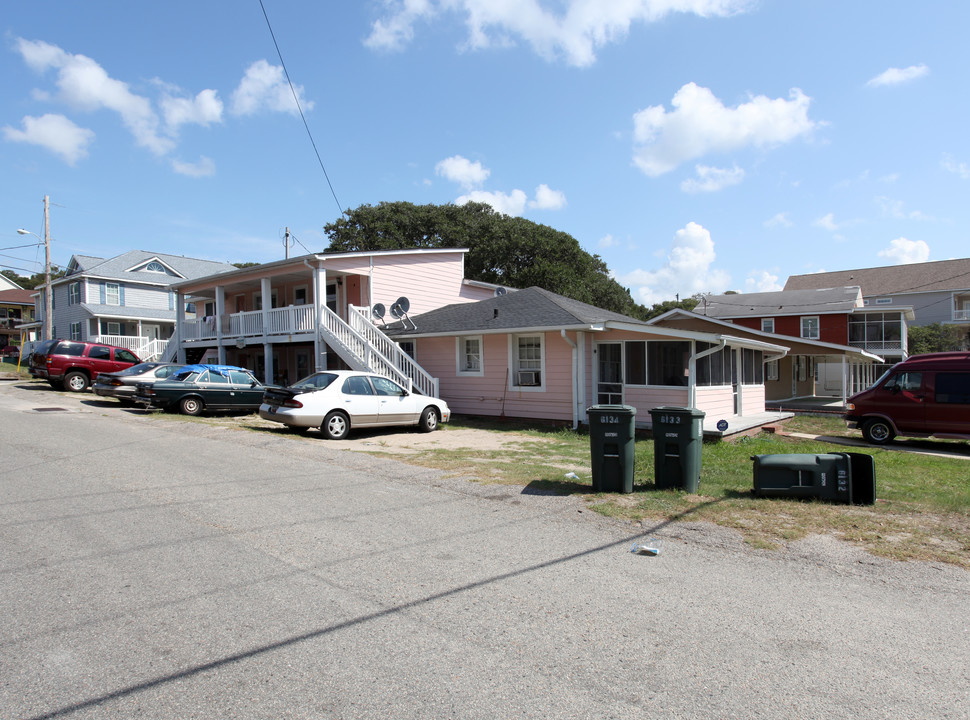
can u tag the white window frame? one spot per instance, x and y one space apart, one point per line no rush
771 370
530 365
108 287
811 319
114 328
767 325
74 293
884 301
75 331
463 367
306 295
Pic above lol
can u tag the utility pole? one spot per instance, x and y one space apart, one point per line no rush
286 242
48 297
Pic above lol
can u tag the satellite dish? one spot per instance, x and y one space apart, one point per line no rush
404 304
378 311
500 291
396 310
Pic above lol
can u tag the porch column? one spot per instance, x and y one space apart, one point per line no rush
220 318
266 290
268 368
319 304
179 320
845 378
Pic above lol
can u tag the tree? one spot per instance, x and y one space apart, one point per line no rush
504 250
34 281
936 338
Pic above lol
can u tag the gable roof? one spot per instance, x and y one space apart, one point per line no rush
127 267
529 309
782 302
17 296
939 276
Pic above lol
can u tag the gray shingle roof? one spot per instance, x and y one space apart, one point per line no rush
128 311
517 311
119 267
944 275
782 302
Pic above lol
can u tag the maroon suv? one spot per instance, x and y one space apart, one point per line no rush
72 365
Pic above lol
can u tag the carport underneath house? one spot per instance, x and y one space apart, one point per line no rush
535 354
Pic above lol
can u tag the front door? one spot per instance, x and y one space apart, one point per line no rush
609 374
151 332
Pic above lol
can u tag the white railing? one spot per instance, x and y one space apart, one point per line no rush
877 345
961 315
148 349
360 321
292 320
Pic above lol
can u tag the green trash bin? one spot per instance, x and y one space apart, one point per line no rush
848 478
612 441
678 438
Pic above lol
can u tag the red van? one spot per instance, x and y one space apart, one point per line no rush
923 396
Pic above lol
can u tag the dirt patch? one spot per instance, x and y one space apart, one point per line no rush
409 442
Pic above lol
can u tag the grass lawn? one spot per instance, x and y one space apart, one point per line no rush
922 508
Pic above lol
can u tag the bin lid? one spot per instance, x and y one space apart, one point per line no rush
615 409
665 410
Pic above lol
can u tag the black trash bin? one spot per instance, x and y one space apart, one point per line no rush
612 441
678 439
848 478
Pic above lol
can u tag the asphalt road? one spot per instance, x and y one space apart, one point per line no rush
151 568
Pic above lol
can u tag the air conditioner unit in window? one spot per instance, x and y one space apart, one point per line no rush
527 377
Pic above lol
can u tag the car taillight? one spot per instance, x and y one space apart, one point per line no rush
850 406
291 403
116 383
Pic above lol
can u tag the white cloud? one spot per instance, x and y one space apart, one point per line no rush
463 171
574 33
264 87
700 124
957 168
56 133
510 204
204 109
85 85
204 168
712 179
904 252
897 76
779 220
687 270
607 241
762 281
827 223
548 199
896 210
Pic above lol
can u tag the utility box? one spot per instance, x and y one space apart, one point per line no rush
612 440
848 478
678 439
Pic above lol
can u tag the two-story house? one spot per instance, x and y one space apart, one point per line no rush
16 310
937 292
412 315
830 320
126 300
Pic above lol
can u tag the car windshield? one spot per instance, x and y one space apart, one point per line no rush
317 381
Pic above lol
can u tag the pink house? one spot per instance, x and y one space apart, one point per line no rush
411 315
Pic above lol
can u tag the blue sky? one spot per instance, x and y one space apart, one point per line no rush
694 145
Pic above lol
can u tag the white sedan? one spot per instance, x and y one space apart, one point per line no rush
338 400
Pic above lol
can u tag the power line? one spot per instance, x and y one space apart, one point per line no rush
300 108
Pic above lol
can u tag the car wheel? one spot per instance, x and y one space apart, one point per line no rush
335 426
191 406
75 381
878 432
429 420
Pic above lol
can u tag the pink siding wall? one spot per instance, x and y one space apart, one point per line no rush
491 393
428 282
752 399
716 401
